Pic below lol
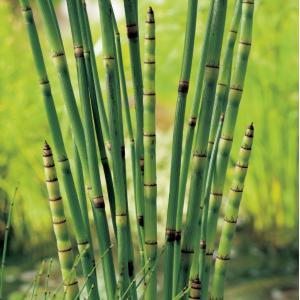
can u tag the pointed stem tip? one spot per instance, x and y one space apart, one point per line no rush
251 127
150 10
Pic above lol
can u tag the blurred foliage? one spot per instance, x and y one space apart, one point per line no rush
270 100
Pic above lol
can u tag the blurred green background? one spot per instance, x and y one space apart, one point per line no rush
266 249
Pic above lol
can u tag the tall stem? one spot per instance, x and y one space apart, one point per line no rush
189 142
81 230
177 146
64 247
234 98
231 215
199 154
150 186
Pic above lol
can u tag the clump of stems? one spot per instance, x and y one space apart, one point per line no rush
98 139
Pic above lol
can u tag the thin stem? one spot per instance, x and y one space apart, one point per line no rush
231 215
177 146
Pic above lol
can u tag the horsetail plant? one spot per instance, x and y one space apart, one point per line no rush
199 256
231 215
199 154
183 87
189 142
64 247
150 186
80 225
234 98
98 138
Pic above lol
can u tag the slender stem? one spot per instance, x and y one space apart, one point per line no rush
150 186
47 292
195 278
115 134
189 142
64 247
199 153
131 15
177 146
81 230
231 215
77 24
234 98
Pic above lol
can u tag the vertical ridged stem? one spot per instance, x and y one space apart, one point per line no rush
234 98
195 282
177 147
225 74
81 230
130 134
115 134
189 142
97 198
59 222
124 99
231 215
150 186
131 15
199 161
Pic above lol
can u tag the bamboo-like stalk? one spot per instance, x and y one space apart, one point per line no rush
195 287
150 186
81 230
130 133
120 195
231 215
131 15
183 87
199 153
5 242
64 247
225 74
234 98
189 142
97 198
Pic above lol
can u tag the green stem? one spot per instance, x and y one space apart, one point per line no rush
234 98
64 247
199 153
231 215
115 134
81 231
150 186
189 142
177 146
195 279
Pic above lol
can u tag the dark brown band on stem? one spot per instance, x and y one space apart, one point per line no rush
59 222
177 236
216 194
141 221
183 86
213 66
58 54
193 121
250 135
203 244
233 31
223 257
132 31
209 253
241 166
151 242
150 184
70 284
149 38
149 22
248 2
222 84
149 62
149 134
232 221
99 202
55 199
108 58
229 139
130 268
170 234
245 43
149 94
49 166
44 82
78 52
236 190
65 250
63 160
246 148
27 8
51 180
83 243
236 89
199 155
196 284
